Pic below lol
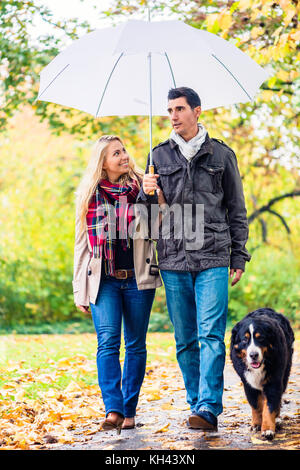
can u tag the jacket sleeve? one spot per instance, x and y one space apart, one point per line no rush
236 211
81 261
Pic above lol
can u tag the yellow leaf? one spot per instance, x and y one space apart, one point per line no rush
19 395
210 19
23 445
212 23
283 75
296 36
267 95
167 406
277 31
164 429
284 4
50 394
72 387
53 417
89 412
289 15
154 396
65 361
256 31
66 440
45 378
254 14
244 4
225 20
256 441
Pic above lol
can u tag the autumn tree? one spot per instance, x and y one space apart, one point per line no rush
21 60
264 133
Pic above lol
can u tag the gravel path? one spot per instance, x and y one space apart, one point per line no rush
162 414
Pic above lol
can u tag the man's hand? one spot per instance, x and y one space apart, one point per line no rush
238 275
83 308
150 183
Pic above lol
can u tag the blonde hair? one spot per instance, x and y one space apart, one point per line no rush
95 172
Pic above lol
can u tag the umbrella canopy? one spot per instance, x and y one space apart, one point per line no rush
106 72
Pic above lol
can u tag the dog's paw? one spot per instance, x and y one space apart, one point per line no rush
268 434
279 424
255 427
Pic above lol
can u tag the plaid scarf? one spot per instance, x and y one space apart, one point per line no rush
110 211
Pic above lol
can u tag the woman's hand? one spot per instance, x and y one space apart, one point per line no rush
83 308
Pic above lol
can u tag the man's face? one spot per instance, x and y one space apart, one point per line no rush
183 118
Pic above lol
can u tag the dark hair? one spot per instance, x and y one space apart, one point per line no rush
191 96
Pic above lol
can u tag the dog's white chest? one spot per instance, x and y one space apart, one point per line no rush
255 378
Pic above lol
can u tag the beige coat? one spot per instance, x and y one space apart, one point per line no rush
85 287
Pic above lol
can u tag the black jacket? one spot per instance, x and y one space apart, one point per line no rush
210 178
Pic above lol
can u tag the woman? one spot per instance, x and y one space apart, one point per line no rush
115 274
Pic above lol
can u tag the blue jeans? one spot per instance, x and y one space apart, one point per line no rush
198 305
119 299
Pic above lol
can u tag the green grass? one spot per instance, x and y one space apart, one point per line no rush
25 360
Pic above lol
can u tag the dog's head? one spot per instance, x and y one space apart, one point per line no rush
251 341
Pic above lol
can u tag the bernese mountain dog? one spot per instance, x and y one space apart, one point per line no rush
261 352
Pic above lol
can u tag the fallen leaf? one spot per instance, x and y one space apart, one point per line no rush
256 441
164 429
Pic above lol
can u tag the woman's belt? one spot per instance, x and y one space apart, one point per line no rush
123 273
119 273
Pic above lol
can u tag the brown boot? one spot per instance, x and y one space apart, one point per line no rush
113 421
129 423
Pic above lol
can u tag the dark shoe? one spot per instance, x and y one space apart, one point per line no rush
109 424
204 420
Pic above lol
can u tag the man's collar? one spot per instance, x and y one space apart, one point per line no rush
206 147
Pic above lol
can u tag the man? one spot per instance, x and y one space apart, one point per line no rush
193 169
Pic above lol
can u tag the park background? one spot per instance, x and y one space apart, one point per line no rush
44 149
48 382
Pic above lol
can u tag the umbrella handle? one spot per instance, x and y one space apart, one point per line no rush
151 172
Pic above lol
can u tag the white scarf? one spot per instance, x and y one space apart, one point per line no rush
191 147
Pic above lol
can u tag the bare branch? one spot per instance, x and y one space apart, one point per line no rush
267 207
282 220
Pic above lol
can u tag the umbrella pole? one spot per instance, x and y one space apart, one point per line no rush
151 166
150 107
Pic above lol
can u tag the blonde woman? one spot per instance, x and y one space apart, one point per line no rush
114 275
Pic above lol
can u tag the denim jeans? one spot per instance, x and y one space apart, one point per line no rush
117 300
198 305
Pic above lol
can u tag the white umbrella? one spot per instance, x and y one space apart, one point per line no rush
129 69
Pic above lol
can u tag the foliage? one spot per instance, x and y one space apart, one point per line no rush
75 327
21 59
50 398
271 280
265 132
39 171
39 177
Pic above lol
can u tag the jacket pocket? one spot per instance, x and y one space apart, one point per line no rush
210 178
171 177
222 239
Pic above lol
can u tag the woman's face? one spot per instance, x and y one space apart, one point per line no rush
116 161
